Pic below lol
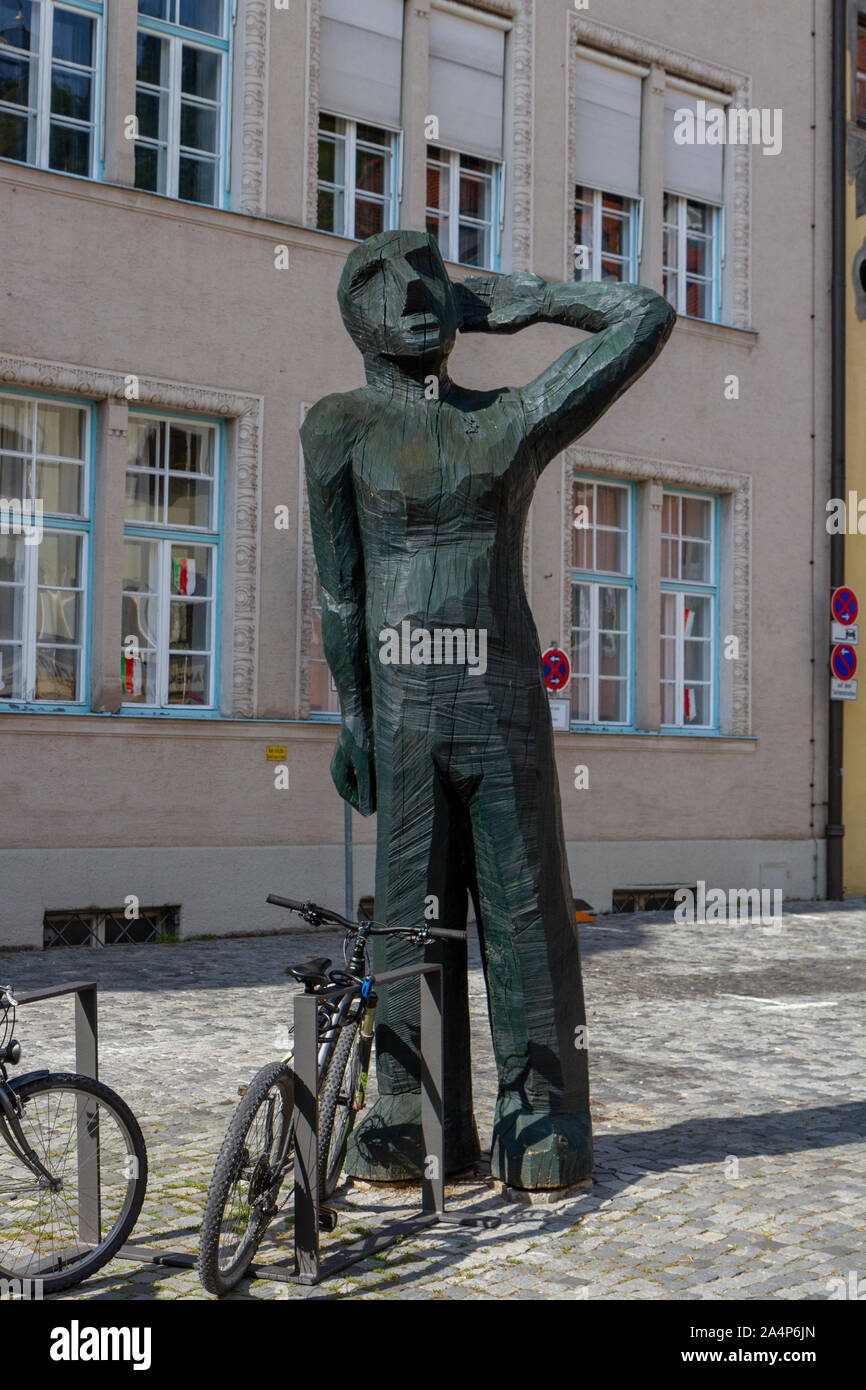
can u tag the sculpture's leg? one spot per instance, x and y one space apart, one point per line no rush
419 856
542 1135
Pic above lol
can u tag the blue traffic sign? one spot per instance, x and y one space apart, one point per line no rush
844 662
845 606
557 669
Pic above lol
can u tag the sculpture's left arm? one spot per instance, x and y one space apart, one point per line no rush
630 324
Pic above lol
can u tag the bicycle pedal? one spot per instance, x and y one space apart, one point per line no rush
328 1219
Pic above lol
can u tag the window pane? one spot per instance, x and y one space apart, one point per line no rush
668 658
13 478
59 560
371 172
332 156
697 616
70 93
138 677
189 680
15 77
696 517
56 673
611 552
19 24
73 38
698 301
189 502
59 487
373 135
11 559
11 611
669 614
155 9
438 183
69 149
200 73
190 449
696 557
696 704
330 215
140 560
57 613
439 228
613 610
151 108
369 219
60 431
197 180
199 127
473 246
149 168
152 60
190 626
143 496
204 15
191 570
669 703
140 622
612 702
612 507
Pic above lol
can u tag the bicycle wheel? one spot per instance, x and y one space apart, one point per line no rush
337 1108
253 1163
63 1229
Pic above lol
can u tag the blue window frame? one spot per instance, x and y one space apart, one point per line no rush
182 99
689 612
46 505
692 260
602 587
607 235
171 573
50 89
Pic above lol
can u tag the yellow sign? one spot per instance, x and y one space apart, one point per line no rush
277 752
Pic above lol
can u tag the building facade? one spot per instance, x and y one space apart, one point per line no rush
180 183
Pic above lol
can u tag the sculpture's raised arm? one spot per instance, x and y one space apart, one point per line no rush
631 325
326 436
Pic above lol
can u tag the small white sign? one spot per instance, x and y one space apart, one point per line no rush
840 633
843 690
560 713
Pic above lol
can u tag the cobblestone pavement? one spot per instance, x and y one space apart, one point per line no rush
729 1099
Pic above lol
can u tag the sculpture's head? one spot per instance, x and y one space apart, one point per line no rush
397 301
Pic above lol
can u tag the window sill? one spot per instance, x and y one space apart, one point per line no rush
722 332
629 739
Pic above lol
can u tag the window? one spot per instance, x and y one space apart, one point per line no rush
693 209
602 603
180 98
860 93
605 236
171 563
324 699
691 281
49 97
356 178
45 490
462 198
688 611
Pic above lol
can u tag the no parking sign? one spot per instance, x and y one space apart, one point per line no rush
557 669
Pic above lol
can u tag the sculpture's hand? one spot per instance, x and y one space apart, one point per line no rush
353 766
500 303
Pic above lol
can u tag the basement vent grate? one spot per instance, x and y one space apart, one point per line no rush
110 927
645 899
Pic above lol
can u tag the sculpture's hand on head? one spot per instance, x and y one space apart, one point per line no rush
500 303
353 767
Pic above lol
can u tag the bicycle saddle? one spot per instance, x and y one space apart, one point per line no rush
310 972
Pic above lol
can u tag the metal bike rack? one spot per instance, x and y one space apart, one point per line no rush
308 1266
86 1062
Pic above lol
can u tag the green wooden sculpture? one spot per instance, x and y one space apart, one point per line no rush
419 491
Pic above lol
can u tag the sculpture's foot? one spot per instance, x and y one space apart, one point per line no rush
535 1151
386 1145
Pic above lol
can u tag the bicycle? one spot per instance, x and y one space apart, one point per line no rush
73 1164
257 1155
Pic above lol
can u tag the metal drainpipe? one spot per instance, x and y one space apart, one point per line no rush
835 829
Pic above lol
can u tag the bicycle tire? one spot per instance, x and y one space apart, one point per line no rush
78 1270
340 1081
220 1278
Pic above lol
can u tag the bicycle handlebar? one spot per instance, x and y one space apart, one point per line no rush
324 914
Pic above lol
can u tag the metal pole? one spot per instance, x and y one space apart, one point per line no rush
835 830
347 840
